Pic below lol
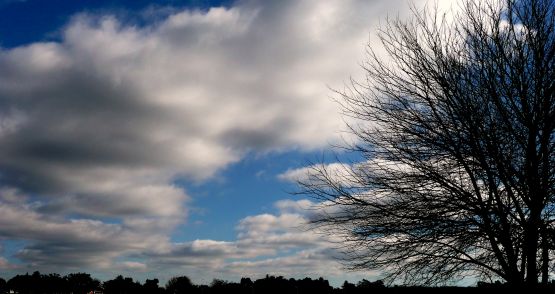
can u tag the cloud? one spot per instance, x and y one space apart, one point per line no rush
96 129
294 206
103 122
310 262
56 243
336 171
131 266
257 235
280 243
6 265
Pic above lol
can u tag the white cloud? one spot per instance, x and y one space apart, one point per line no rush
309 262
295 175
281 243
336 171
294 206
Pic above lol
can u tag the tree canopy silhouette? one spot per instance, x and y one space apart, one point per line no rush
53 283
177 285
81 283
456 131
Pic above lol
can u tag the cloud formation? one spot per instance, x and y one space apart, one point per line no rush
101 123
96 129
279 243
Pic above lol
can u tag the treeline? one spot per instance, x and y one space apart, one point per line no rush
83 283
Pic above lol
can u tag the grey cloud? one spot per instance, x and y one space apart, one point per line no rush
70 243
204 248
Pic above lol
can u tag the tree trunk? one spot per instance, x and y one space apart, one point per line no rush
545 256
532 236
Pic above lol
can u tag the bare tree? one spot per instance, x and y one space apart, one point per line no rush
456 132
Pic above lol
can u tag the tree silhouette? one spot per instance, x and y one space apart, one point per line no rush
179 285
3 286
456 132
247 286
271 284
308 285
26 284
151 287
121 285
348 287
56 284
81 283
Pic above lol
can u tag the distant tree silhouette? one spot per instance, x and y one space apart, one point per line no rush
247 286
151 286
81 283
3 286
456 131
348 287
26 284
76 283
202 289
179 285
121 285
220 286
308 285
364 284
274 285
55 284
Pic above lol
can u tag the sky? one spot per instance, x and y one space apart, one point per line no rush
162 138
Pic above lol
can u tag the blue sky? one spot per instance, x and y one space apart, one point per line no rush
161 138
